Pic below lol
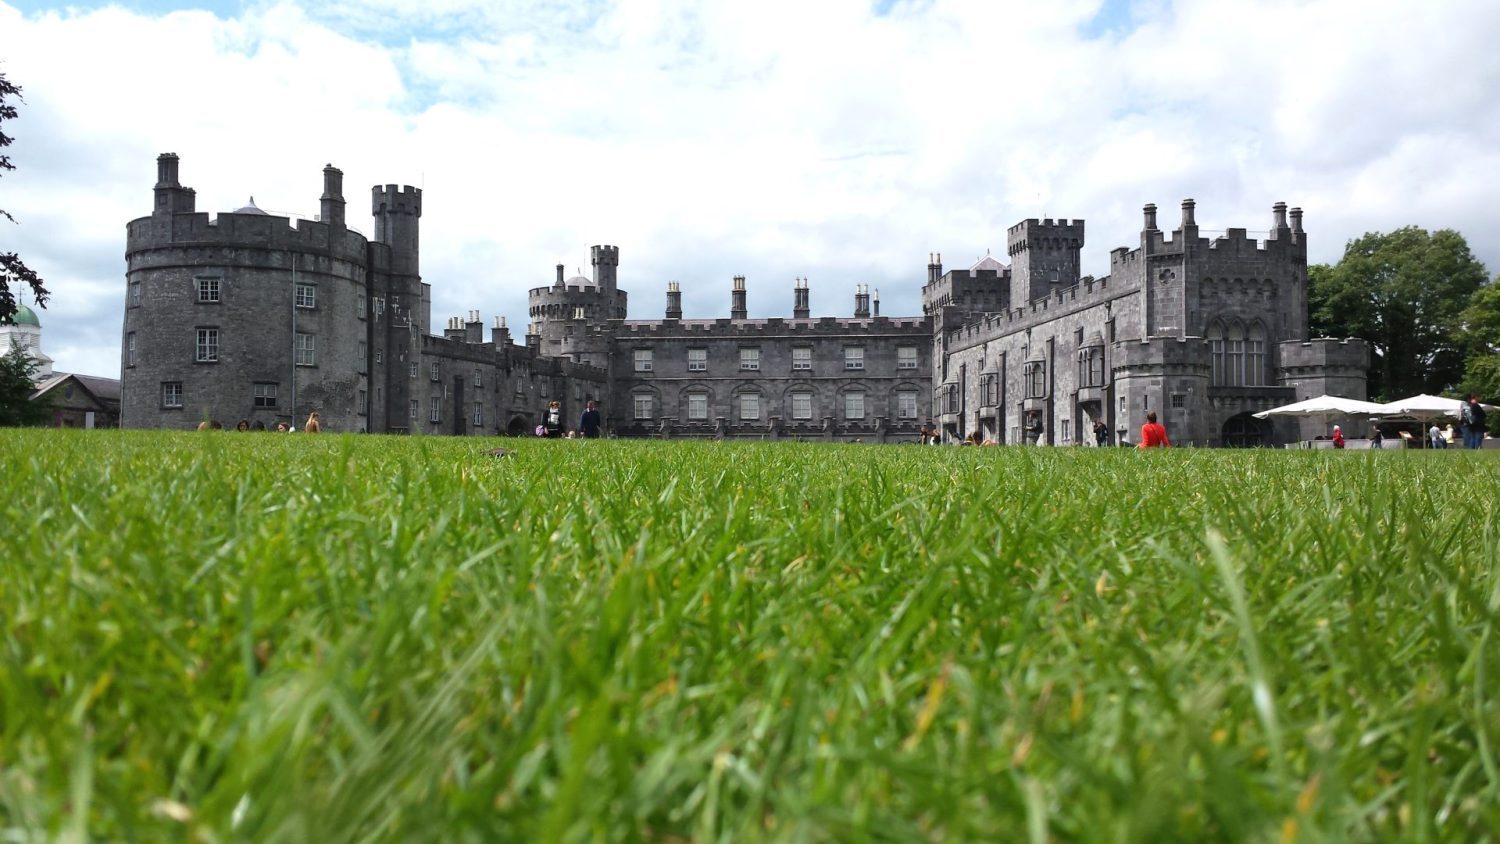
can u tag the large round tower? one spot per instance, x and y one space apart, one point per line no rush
243 316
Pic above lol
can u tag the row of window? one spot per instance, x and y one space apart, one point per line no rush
800 405
209 289
854 358
206 347
263 395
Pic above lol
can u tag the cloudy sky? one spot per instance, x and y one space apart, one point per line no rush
839 140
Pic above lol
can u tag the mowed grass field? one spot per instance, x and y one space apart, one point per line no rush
224 637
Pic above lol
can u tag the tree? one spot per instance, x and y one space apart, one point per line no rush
17 383
1403 293
11 265
1481 341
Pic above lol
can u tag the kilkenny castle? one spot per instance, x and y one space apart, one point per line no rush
247 315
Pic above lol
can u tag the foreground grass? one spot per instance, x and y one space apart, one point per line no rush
286 638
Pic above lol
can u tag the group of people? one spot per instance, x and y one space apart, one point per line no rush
589 423
311 427
1153 435
1473 427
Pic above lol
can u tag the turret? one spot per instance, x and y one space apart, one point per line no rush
171 197
737 308
800 306
396 214
606 260
332 208
1045 257
861 301
674 300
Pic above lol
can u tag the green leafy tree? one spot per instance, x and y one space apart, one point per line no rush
1481 341
12 268
17 383
1404 294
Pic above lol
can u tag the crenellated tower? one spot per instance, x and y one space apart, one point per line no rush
568 316
1044 257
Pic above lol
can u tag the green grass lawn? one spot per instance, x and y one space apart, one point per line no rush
220 637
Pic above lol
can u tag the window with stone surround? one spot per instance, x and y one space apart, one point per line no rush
130 349
854 405
642 405
801 405
854 357
906 357
697 360
906 404
206 349
749 407
801 357
264 394
307 296
208 289
750 360
642 360
306 348
171 394
697 407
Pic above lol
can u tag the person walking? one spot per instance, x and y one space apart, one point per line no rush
1101 433
588 423
1474 422
552 419
1435 437
1153 434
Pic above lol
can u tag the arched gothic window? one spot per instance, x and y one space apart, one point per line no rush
1255 355
1238 355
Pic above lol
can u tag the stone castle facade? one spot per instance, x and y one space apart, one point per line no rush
249 316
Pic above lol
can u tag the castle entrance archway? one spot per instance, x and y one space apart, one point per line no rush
1245 431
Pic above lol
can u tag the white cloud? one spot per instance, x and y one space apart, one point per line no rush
774 139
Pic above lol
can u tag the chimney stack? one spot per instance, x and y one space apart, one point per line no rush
876 301
501 333
800 307
861 301
934 267
1279 212
332 203
1150 213
1187 215
737 299
674 300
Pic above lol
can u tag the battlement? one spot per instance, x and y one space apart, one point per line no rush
256 231
1088 293
1045 233
607 255
776 327
388 199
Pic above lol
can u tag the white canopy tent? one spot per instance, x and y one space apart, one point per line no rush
1426 408
1323 407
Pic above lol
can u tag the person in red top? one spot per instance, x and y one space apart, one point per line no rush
1338 437
1153 435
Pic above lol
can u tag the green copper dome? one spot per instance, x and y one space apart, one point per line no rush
26 316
